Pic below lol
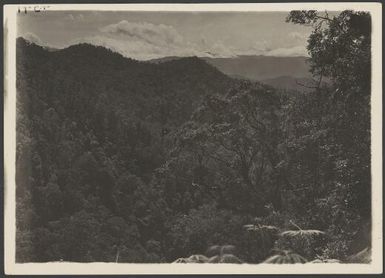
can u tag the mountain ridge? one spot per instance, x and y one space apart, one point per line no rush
246 67
186 80
249 67
255 67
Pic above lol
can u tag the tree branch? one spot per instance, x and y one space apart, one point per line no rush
305 86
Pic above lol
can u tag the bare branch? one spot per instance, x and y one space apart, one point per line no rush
305 86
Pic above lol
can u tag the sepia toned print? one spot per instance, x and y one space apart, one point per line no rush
219 138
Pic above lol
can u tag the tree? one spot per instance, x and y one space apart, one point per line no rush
339 49
234 140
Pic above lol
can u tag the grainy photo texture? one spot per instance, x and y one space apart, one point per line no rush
193 137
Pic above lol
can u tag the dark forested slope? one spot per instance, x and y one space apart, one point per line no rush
88 119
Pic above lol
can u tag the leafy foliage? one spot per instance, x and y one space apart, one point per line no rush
334 140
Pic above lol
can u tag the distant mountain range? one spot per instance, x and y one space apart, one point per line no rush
289 73
262 67
256 67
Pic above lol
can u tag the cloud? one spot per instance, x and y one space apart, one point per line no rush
263 47
143 41
148 32
286 52
260 47
33 38
136 49
218 49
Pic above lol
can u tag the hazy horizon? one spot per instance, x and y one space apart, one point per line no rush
153 35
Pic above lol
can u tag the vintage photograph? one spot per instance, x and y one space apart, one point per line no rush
193 137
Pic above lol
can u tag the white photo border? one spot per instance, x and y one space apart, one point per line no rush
11 267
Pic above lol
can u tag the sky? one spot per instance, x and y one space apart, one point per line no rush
144 35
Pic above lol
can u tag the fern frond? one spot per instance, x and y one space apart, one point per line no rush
181 261
198 259
326 261
272 259
302 233
286 257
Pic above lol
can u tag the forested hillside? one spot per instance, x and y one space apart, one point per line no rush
122 160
